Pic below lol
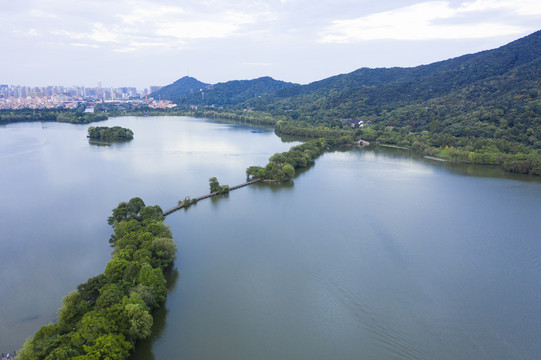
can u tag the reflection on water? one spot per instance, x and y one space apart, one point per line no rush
372 253
53 228
369 255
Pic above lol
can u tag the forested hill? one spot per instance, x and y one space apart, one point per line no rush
490 94
179 88
481 108
228 93
447 75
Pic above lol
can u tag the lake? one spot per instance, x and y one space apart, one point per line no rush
372 253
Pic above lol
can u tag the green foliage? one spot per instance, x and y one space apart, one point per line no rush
135 209
110 295
281 166
446 109
179 88
215 186
153 278
59 115
90 291
140 321
147 294
94 324
73 309
108 347
44 341
524 163
164 251
104 133
288 170
63 352
306 130
105 317
222 94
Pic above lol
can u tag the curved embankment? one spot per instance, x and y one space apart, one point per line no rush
188 202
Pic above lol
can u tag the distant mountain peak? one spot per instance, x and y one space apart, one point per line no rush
186 91
183 86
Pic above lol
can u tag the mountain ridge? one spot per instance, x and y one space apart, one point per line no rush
228 93
444 76
482 108
179 88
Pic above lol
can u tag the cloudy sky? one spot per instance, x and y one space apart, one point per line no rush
155 42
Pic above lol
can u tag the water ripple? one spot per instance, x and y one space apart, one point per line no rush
394 340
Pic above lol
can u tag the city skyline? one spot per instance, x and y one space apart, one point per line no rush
138 43
14 97
58 89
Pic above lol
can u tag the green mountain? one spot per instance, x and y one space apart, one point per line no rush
228 93
179 88
482 108
494 85
479 108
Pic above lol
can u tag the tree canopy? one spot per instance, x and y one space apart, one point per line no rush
281 166
215 186
107 315
104 133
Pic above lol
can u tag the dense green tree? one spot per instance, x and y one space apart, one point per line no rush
288 170
281 166
73 309
140 321
110 295
214 185
62 352
151 213
108 347
154 279
90 290
103 133
164 250
107 314
59 114
93 325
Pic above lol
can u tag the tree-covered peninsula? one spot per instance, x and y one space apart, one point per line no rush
104 133
108 314
282 166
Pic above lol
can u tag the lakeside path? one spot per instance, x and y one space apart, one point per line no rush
184 203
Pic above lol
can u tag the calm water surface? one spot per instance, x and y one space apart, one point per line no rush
57 191
370 254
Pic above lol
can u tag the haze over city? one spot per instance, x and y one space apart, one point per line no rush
140 43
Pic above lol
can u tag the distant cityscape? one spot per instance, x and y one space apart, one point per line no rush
50 97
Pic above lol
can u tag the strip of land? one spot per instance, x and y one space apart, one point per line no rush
191 201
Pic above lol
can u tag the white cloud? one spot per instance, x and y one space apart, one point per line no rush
38 13
520 7
28 33
432 20
215 27
105 34
143 24
99 34
247 35
144 13
256 63
85 45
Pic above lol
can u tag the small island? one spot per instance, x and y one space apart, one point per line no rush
104 133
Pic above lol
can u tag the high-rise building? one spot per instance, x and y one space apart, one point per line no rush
4 90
